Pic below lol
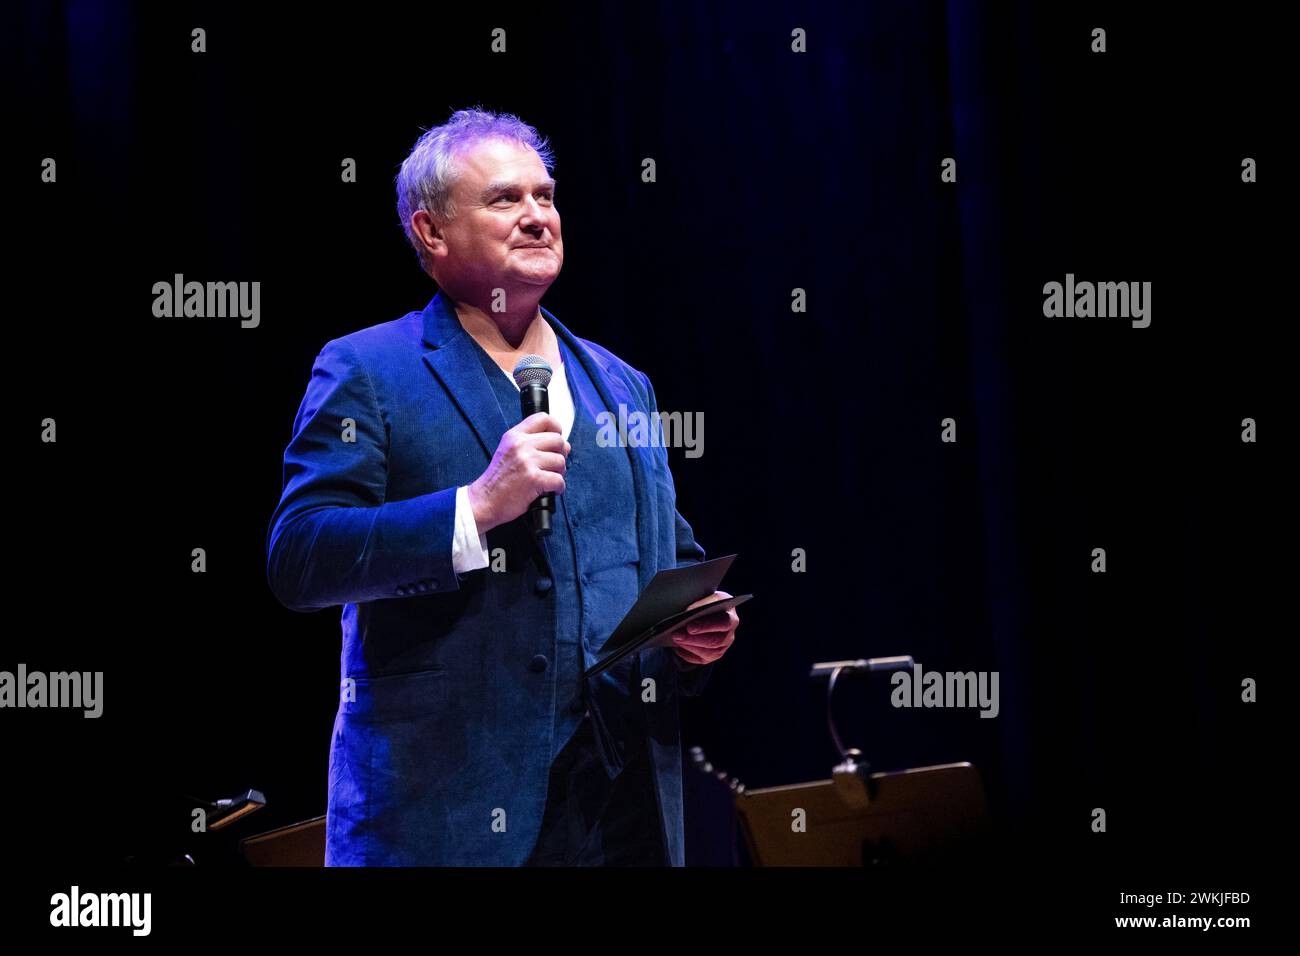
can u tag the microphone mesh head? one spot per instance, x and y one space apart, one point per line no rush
533 368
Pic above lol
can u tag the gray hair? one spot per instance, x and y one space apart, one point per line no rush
429 173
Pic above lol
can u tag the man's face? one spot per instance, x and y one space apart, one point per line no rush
506 231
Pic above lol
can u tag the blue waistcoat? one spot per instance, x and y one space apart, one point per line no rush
593 559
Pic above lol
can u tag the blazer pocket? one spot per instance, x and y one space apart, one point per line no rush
395 696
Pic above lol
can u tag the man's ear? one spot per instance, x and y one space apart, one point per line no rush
428 233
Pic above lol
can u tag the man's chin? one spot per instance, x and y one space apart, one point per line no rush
535 277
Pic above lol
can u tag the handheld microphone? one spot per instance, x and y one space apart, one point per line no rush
533 374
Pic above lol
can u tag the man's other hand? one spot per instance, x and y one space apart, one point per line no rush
706 638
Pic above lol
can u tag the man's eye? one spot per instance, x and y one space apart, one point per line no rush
513 197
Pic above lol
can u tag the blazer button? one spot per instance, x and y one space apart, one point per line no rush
401 592
543 585
538 663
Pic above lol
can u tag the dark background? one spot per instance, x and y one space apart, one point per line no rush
775 170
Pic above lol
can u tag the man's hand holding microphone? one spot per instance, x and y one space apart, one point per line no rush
529 461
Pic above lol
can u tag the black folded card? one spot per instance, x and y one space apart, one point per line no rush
661 609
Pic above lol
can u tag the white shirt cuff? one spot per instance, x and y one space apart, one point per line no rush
468 547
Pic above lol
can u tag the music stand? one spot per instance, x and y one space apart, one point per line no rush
909 819
298 844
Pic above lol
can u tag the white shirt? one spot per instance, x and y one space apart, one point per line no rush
468 547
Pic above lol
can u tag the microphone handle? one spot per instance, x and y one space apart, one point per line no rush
533 399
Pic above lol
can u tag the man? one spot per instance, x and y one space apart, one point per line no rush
464 734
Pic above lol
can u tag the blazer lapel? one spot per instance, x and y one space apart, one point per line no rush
456 365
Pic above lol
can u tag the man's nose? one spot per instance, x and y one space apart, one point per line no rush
534 212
